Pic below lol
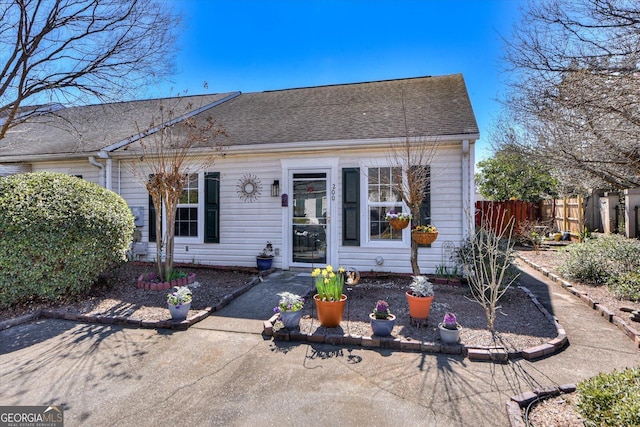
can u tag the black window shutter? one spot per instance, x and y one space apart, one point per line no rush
351 206
152 221
152 218
212 207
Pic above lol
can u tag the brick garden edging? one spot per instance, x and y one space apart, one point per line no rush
490 354
629 330
126 321
517 403
147 281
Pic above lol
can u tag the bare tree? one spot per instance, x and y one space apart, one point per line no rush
574 88
411 162
486 260
76 51
173 149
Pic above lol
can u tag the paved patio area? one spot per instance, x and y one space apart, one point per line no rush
222 371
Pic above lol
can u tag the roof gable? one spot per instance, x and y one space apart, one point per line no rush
434 106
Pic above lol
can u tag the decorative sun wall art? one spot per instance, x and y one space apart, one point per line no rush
249 188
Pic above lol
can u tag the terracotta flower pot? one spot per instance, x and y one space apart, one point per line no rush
419 307
330 312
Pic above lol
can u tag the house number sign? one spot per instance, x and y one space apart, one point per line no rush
249 188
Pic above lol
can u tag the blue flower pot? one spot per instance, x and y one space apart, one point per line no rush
382 327
263 263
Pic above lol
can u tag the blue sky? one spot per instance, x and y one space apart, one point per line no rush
256 45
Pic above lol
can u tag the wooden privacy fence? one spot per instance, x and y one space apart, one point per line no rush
498 215
566 214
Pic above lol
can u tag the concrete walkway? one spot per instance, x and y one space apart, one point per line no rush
222 371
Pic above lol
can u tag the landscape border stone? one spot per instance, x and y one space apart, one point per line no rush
133 323
517 403
632 332
479 354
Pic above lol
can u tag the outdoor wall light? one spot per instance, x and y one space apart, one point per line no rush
275 188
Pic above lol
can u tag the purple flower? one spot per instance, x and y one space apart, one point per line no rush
382 306
450 321
382 310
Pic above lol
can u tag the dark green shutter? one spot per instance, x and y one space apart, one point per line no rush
351 207
152 221
212 207
152 218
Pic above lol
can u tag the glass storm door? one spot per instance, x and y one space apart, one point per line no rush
309 219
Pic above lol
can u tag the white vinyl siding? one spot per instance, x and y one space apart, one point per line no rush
246 226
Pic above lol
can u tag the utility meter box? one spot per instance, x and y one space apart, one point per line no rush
138 215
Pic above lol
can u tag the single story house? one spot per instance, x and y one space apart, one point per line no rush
306 169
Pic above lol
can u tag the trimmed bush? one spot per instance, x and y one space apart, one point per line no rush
626 286
595 261
58 234
611 399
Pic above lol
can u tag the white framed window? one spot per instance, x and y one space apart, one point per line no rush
187 215
382 198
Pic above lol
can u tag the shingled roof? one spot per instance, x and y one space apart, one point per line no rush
85 130
434 106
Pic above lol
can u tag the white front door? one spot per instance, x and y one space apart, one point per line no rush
310 218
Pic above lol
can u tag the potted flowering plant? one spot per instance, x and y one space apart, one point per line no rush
424 234
290 309
449 329
265 257
329 299
382 321
420 297
179 302
398 221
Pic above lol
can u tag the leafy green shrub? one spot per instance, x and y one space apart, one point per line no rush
58 234
595 261
626 286
611 399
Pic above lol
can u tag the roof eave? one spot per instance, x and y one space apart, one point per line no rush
306 146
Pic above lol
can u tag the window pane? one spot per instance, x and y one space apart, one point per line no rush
379 226
383 198
190 192
186 222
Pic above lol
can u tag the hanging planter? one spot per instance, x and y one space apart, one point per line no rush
424 234
398 221
398 224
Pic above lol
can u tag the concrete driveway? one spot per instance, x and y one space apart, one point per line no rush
224 372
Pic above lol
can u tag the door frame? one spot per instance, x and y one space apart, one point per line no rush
305 165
